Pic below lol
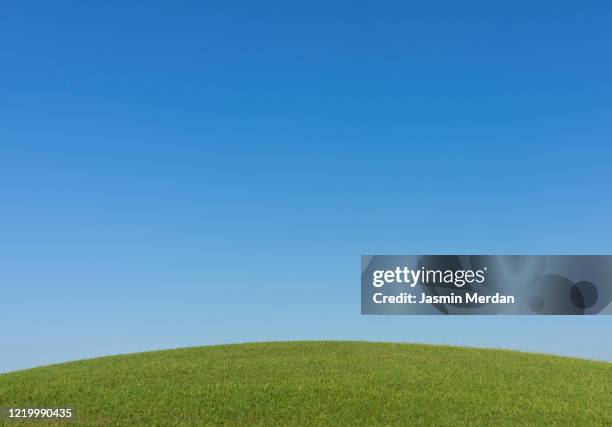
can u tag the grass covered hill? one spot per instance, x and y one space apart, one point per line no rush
318 383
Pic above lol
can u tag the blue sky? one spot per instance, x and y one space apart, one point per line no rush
191 173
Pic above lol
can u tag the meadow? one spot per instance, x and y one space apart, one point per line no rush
321 383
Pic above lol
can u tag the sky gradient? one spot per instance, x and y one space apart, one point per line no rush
192 173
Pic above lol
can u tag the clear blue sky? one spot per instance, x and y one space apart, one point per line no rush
189 173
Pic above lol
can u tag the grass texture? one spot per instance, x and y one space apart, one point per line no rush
321 383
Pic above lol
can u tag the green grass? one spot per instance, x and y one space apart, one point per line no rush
318 383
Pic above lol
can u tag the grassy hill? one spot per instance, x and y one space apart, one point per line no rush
313 383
